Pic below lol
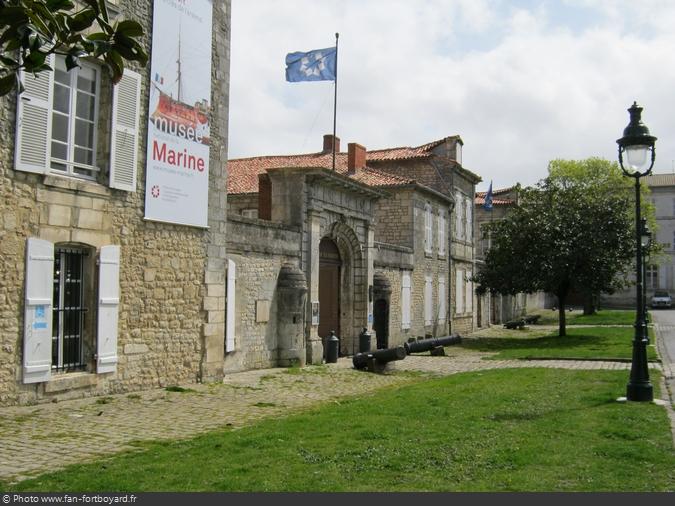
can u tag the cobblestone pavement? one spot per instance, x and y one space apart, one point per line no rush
36 439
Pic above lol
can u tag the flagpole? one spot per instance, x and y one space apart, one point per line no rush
337 36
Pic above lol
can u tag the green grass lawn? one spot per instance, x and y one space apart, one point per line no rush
501 430
580 343
576 317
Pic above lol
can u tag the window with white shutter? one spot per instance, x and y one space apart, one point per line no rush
468 233
34 122
108 309
428 231
441 232
406 292
37 341
125 134
230 312
441 299
469 292
459 292
428 301
459 218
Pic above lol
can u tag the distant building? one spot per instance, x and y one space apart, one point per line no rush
384 242
660 274
496 308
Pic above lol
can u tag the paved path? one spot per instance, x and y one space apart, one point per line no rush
36 439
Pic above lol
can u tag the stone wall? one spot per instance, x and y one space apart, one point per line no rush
391 261
394 218
258 248
165 331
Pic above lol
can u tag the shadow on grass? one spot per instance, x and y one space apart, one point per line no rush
545 343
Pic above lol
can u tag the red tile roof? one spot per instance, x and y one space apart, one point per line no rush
405 153
495 202
243 172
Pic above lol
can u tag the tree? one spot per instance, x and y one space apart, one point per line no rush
31 30
573 231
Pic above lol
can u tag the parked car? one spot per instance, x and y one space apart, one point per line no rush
661 299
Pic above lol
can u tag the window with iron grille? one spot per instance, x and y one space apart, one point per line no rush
69 309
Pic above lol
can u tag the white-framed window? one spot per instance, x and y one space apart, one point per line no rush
652 278
442 312
75 105
406 293
468 297
428 301
249 213
468 233
441 232
58 120
459 218
459 291
428 230
56 336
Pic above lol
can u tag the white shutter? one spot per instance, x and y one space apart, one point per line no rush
37 340
34 121
469 220
441 233
459 208
124 139
108 308
459 292
428 301
662 276
405 300
230 315
441 299
469 293
428 234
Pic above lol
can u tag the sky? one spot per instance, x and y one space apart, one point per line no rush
522 82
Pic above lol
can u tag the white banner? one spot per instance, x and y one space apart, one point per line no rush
177 175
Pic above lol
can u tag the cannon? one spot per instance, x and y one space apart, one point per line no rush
376 360
513 324
434 345
532 318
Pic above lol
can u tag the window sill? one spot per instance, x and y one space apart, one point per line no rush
70 381
78 185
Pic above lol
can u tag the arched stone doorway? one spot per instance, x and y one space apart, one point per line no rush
330 267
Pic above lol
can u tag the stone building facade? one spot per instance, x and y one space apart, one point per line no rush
96 299
660 271
376 245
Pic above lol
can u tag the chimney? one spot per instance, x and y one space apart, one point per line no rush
356 157
328 143
264 197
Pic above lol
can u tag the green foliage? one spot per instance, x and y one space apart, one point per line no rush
573 231
502 430
31 30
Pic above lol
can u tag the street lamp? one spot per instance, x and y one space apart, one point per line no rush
646 242
638 146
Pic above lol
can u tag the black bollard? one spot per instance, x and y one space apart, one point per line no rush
332 348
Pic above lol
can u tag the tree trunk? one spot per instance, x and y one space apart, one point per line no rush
562 329
589 303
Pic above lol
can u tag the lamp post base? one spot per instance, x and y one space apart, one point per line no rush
640 392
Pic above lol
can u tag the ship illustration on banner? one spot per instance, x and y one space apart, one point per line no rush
173 115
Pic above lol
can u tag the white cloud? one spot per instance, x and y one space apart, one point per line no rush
520 86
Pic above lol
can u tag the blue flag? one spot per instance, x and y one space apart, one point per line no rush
316 65
488 199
